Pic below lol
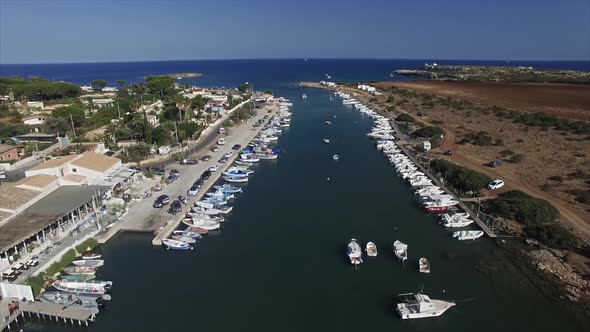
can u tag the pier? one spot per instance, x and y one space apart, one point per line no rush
173 224
42 311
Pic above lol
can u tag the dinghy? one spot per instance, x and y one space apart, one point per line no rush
68 299
335 157
186 239
235 179
371 249
194 235
176 245
401 250
89 262
354 252
328 122
96 288
80 270
326 140
468 235
424 265
90 255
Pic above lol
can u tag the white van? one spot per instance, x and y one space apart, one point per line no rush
221 141
221 130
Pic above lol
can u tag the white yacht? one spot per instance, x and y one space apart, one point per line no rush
468 235
421 306
401 250
354 252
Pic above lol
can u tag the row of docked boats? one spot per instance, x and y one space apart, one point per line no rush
77 285
429 196
209 213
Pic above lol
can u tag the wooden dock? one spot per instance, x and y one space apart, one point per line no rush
43 311
173 224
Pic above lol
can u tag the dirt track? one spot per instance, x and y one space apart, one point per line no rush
563 100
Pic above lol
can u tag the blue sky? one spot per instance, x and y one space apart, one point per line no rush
49 31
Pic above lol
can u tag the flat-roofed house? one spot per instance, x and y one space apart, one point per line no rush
77 169
34 121
11 152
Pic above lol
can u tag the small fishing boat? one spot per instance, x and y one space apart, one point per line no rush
91 255
89 262
87 287
371 249
354 252
176 245
468 235
400 250
198 230
229 189
335 157
421 306
424 265
202 223
235 179
194 235
186 239
326 140
304 96
328 122
80 270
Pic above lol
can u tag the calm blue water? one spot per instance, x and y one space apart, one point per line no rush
278 264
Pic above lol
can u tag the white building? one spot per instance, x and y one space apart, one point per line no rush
35 104
103 102
85 168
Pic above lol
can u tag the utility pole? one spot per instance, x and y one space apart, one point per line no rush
73 128
118 110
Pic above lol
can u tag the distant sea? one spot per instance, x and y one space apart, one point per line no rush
263 74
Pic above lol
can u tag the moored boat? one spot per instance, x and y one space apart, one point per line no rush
424 265
185 239
400 250
371 249
176 245
69 299
468 235
421 306
91 255
80 270
89 262
91 288
354 252
194 235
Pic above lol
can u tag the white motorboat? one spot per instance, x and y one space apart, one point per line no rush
336 157
235 179
328 122
80 270
468 235
176 245
424 265
371 249
208 225
457 220
304 96
86 287
421 306
354 252
193 235
89 262
188 240
400 250
91 255
326 140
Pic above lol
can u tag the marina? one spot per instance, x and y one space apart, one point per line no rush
307 201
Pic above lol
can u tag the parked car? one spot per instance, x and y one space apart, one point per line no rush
236 147
193 191
188 162
174 172
213 168
205 175
170 179
494 163
161 201
157 169
495 184
223 160
198 183
265 117
221 141
214 149
206 157
228 155
175 207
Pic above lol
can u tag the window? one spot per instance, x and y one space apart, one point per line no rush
74 170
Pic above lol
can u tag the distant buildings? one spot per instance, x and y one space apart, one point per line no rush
34 121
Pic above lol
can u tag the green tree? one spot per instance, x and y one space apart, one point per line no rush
121 83
12 129
161 85
98 84
75 111
56 126
244 88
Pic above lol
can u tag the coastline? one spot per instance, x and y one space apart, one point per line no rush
543 266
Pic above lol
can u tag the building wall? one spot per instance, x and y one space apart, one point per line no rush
34 121
11 154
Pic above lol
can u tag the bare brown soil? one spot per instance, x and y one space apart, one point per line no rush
563 100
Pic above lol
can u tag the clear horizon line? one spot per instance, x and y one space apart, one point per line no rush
298 58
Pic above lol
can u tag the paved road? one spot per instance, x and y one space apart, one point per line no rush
143 217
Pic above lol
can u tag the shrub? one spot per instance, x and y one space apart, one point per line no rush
499 142
391 109
579 174
481 138
428 132
507 152
517 158
405 118
460 177
552 235
438 122
524 208
66 259
556 178
37 283
391 99
520 140
582 196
